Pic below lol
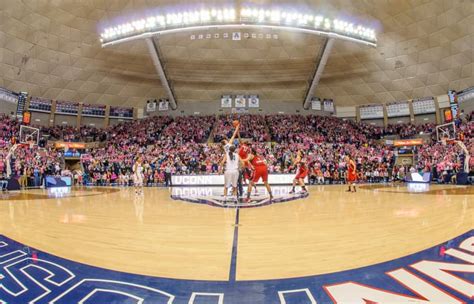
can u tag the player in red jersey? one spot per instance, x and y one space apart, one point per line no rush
301 173
259 165
351 173
246 171
244 151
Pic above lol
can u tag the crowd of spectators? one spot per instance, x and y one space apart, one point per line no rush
252 127
182 146
74 134
190 129
409 130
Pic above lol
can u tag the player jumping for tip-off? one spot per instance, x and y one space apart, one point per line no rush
259 165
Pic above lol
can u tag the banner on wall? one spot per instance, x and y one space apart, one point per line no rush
151 106
226 101
316 104
328 105
240 101
254 101
163 105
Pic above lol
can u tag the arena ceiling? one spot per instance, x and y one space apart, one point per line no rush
52 49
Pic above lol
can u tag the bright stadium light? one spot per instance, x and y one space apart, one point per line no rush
230 17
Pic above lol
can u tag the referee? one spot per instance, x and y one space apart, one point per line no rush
168 169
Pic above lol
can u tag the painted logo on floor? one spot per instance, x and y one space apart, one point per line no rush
214 196
442 274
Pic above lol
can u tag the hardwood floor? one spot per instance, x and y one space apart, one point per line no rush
329 231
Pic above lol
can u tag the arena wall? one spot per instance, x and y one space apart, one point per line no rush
41 119
7 107
375 122
67 120
92 121
467 106
116 121
426 118
399 120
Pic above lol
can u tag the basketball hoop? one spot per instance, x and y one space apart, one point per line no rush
29 136
445 133
447 141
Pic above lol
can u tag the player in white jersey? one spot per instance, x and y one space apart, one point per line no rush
231 161
231 173
138 176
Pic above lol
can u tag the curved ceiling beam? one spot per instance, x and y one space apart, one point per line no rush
155 56
320 65
236 26
242 17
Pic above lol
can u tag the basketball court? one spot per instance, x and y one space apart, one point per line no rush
152 236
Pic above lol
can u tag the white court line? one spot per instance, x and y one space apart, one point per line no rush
194 294
306 290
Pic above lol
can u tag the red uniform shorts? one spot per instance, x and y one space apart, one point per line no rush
351 177
302 173
260 172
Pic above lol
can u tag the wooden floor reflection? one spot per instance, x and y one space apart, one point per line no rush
329 231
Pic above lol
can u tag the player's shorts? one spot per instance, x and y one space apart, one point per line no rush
301 174
351 177
231 178
260 172
138 180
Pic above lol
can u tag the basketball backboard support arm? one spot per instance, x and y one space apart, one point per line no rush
467 156
8 160
155 56
320 65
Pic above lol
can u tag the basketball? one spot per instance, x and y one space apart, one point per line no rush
235 123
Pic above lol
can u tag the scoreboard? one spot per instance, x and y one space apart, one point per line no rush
20 108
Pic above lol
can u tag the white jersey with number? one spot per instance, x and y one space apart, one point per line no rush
232 165
138 174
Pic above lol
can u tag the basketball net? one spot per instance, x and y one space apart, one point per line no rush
447 141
